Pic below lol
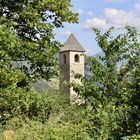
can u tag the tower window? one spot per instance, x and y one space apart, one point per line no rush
64 58
76 58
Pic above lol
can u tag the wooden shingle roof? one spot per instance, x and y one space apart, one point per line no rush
72 44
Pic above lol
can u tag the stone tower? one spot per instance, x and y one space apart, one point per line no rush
71 62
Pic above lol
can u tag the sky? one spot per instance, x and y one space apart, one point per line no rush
99 14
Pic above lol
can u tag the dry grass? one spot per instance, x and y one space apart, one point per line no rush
9 135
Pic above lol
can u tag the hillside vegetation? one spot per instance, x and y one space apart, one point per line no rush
112 96
111 109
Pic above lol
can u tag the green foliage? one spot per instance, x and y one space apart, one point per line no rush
112 92
40 131
26 35
16 101
45 116
134 137
67 132
38 106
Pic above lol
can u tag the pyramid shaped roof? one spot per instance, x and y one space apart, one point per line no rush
72 44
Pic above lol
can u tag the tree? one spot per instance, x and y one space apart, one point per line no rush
27 38
30 24
112 92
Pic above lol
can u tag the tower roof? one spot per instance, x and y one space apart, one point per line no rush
72 44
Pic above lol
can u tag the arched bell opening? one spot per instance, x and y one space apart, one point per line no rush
77 58
64 59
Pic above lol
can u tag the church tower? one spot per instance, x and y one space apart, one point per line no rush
71 62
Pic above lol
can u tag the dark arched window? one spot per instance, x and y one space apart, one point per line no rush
64 59
76 58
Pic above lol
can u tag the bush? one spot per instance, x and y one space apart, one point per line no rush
17 101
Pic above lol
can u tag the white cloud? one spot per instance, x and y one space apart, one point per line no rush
65 33
137 7
80 11
115 17
120 18
95 22
90 13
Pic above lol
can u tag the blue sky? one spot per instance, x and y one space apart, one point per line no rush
101 14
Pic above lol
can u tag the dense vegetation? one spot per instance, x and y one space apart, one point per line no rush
26 30
112 94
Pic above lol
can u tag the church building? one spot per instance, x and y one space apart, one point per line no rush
71 62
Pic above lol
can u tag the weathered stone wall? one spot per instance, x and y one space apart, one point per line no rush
68 68
64 72
75 67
